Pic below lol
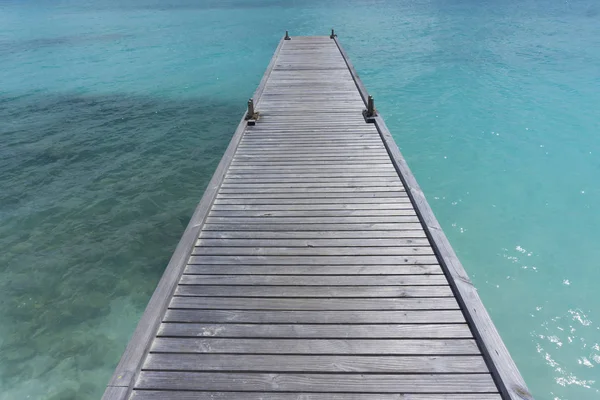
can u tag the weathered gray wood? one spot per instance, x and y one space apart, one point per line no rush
311 243
243 303
376 227
314 194
358 291
293 166
316 346
307 190
323 331
262 173
284 382
400 206
314 260
314 148
351 219
198 395
271 171
116 393
314 135
357 202
314 235
316 317
316 364
312 274
217 212
502 366
272 140
310 159
321 280
324 153
331 177
327 183
240 269
312 251
291 189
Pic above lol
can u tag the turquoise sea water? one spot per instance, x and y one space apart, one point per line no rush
113 117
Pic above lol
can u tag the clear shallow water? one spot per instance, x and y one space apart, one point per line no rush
113 117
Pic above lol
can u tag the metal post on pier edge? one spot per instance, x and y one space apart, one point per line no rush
251 114
370 112
287 36
333 35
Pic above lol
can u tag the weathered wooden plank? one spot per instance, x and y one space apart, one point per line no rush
317 185
284 382
267 151
293 191
332 170
341 148
336 173
396 199
344 124
324 152
327 182
279 141
338 120
341 102
304 133
314 260
333 121
314 157
265 175
312 251
286 243
320 280
303 304
241 269
309 143
401 206
313 182
322 331
357 159
318 164
316 346
320 235
313 194
316 364
217 212
198 395
316 317
314 227
358 291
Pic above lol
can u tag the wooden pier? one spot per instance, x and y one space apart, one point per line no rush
313 267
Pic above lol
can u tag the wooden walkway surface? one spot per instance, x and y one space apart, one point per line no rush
313 267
